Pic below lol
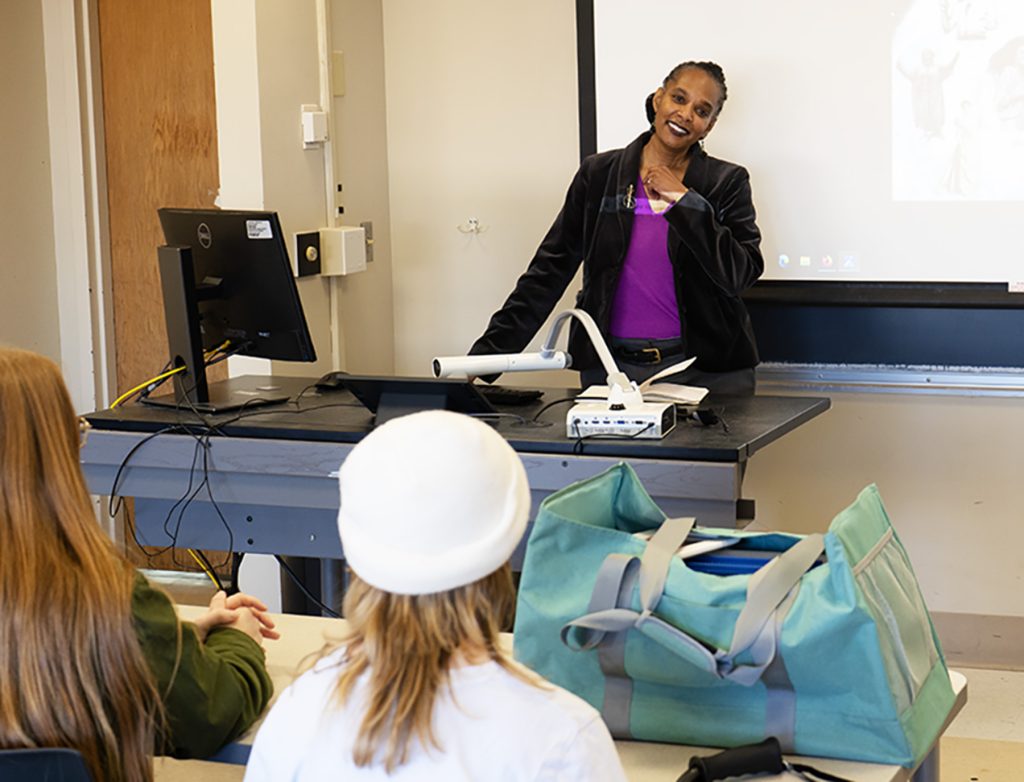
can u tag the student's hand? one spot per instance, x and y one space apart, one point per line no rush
242 612
661 183
258 609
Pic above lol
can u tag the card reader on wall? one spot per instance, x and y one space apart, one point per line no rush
331 251
624 414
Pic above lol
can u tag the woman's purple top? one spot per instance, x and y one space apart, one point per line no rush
645 305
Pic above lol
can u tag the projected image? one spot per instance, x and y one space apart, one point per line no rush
884 143
958 101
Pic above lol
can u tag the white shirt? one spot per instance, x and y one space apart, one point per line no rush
500 729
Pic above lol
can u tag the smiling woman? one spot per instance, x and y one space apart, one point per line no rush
668 242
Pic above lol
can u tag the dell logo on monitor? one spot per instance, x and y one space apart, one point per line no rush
204 234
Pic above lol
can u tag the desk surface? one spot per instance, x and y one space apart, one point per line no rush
751 423
643 761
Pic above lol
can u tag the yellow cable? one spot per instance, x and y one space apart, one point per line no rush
206 357
203 566
219 348
140 386
209 354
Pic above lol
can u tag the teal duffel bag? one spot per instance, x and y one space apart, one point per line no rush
828 647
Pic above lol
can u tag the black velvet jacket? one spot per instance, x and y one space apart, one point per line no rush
713 245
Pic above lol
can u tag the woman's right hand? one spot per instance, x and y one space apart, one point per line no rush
662 182
241 612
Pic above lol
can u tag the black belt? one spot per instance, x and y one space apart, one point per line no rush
651 355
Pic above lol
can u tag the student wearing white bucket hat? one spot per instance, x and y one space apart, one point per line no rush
432 506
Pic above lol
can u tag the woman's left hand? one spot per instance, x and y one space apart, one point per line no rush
259 610
235 611
661 183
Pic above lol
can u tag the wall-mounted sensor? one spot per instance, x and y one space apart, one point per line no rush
307 254
314 126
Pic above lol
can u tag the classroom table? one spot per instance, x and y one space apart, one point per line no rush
302 636
263 480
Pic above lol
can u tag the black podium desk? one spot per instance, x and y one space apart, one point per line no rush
264 480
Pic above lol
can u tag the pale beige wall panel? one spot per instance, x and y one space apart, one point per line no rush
28 272
481 124
365 302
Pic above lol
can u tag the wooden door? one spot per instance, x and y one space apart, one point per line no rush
160 128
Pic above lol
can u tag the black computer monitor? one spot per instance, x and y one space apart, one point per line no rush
226 277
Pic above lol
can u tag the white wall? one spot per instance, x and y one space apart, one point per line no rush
481 105
28 296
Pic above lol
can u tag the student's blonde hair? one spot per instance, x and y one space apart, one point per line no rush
405 645
72 673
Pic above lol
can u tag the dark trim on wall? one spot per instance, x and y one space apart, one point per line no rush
888 323
586 82
950 295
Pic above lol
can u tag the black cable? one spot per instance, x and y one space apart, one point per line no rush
203 446
113 509
181 505
805 770
302 587
552 404
216 507
154 386
115 501
236 567
302 393
262 411
212 570
192 490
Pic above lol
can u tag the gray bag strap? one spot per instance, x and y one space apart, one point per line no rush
769 586
780 697
662 546
604 613
611 655
613 588
753 632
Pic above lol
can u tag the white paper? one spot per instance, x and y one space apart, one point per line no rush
672 370
692 548
653 391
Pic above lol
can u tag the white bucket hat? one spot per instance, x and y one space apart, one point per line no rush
431 501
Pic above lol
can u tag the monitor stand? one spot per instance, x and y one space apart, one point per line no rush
192 392
225 396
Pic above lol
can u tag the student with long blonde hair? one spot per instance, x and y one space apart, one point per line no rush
91 656
418 688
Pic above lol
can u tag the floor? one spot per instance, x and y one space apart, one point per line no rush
986 741
984 744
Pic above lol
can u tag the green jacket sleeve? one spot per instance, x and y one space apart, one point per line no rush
212 692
